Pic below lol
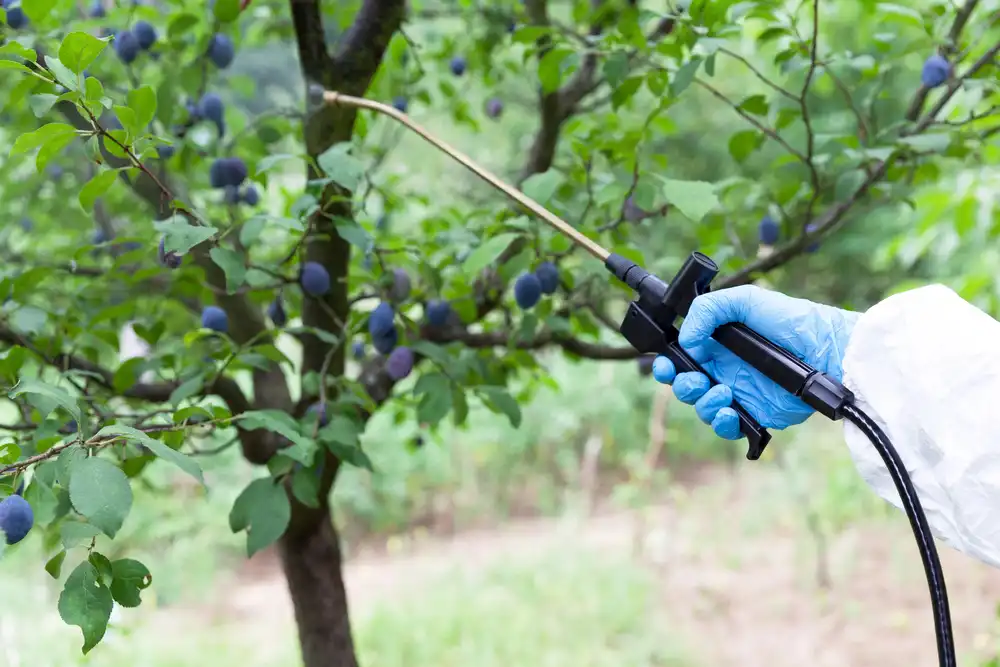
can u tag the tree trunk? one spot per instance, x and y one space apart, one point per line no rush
311 560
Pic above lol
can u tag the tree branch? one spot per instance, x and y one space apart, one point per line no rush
225 388
363 46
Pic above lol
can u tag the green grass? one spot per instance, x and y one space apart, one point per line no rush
565 609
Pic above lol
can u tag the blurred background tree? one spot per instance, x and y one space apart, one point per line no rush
199 254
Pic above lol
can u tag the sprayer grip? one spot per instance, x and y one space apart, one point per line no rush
757 436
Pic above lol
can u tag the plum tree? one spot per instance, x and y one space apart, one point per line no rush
250 196
215 318
548 277
221 50
399 103
814 246
228 172
381 320
384 343
15 14
358 349
399 363
438 312
315 279
211 107
97 10
16 518
276 311
171 260
494 107
400 289
620 116
319 412
768 231
145 33
127 46
527 290
936 71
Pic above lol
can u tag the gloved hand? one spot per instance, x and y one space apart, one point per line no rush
815 333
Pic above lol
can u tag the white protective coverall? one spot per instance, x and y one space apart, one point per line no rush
924 364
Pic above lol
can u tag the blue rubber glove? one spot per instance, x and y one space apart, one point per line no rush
815 333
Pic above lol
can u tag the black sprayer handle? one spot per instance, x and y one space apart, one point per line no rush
788 371
756 434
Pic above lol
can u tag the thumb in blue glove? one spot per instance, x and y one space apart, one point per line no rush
815 333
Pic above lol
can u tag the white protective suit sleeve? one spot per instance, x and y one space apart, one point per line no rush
925 365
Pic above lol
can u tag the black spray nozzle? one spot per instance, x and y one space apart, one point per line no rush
650 326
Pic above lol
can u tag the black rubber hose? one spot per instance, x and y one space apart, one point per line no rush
921 530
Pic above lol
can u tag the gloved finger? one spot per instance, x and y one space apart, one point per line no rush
727 424
718 397
710 311
706 352
663 370
689 387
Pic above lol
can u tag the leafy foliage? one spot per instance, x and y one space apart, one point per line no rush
660 131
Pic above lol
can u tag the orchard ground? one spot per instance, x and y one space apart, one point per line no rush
570 588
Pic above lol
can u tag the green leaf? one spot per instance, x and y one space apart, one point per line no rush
541 187
179 459
226 11
684 76
187 389
54 396
142 101
231 263
550 68
181 235
275 421
9 452
340 429
75 533
934 143
100 491
501 402
353 233
96 187
434 390
263 510
42 103
32 140
63 74
743 144
352 455
43 501
305 486
130 578
755 104
54 564
86 603
268 162
79 49
37 10
694 199
103 567
343 168
616 68
487 253
51 149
